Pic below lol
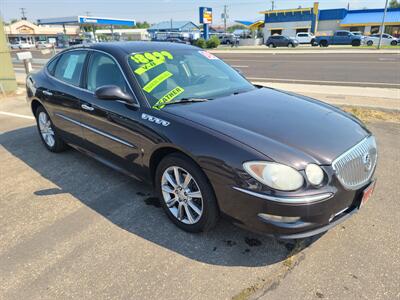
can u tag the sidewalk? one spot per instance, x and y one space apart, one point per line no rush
379 98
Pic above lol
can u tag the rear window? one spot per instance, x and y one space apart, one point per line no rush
69 67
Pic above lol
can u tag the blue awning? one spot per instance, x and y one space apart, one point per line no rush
245 23
370 18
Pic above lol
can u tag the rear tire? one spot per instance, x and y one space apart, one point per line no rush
47 131
271 45
191 205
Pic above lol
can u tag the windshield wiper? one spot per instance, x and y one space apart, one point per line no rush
183 100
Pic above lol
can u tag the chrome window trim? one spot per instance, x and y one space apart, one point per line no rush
84 89
59 80
107 135
287 200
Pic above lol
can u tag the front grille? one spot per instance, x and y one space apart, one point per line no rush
355 167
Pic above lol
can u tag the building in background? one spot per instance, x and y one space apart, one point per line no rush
30 33
289 22
180 29
134 34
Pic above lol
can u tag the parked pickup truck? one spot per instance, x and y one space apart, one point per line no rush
340 37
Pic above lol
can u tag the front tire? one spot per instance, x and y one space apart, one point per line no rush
270 45
393 43
186 194
47 132
356 43
370 43
290 45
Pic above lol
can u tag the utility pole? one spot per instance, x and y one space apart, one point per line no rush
23 12
225 16
87 13
272 5
383 24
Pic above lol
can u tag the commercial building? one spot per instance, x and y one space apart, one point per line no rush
325 21
184 29
134 34
29 32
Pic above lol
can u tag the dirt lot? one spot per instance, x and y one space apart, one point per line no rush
72 228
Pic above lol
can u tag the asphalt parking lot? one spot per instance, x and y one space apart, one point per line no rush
73 228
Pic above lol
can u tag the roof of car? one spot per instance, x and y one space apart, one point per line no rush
131 47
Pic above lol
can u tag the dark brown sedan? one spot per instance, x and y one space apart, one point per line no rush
212 143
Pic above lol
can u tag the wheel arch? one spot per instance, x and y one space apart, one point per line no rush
35 103
165 150
162 151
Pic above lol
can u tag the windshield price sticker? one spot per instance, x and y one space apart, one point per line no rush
157 81
168 97
208 55
150 60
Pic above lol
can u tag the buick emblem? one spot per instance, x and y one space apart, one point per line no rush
366 159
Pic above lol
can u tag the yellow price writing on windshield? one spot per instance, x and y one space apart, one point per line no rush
168 97
157 81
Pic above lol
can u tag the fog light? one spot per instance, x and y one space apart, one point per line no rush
281 219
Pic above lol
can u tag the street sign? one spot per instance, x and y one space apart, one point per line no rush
205 15
24 55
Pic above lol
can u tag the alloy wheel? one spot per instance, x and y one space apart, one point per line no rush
182 195
46 130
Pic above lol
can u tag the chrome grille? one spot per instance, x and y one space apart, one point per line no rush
355 167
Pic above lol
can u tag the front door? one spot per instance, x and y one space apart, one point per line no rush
111 127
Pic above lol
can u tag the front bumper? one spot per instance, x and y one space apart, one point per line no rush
316 213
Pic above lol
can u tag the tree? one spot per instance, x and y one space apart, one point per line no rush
394 4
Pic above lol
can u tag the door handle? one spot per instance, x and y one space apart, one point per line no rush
47 93
87 107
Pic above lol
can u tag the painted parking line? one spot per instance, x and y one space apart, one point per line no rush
16 115
323 81
233 66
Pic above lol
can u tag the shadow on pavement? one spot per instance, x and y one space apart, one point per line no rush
128 204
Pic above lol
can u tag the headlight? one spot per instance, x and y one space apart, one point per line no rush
275 175
314 173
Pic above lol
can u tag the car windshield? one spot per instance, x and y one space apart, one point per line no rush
170 76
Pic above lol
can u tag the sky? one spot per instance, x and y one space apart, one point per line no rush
155 11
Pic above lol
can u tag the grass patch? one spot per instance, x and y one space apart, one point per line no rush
370 115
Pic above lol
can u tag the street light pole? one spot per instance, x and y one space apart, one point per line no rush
383 24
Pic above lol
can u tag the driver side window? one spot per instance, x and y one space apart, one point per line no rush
103 70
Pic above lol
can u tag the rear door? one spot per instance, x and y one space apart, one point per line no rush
63 92
111 127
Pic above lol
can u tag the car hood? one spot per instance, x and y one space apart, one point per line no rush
285 127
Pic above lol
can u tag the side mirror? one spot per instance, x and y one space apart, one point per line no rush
112 92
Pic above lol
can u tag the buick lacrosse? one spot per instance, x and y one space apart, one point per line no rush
211 143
